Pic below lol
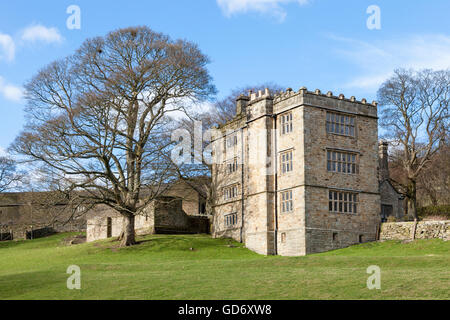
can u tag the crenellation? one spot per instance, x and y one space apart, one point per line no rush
303 91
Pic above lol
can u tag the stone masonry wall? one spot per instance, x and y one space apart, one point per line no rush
424 230
327 230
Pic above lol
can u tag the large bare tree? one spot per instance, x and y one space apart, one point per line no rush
415 117
99 118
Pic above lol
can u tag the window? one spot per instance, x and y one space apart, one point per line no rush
230 192
340 124
287 205
232 166
108 227
343 202
81 209
231 141
342 162
286 162
231 220
286 123
335 236
283 237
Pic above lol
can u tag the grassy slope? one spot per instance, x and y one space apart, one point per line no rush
163 267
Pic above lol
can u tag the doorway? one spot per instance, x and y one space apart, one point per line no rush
108 227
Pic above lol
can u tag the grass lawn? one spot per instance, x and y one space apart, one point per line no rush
164 267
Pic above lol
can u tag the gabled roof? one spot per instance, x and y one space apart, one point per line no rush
389 181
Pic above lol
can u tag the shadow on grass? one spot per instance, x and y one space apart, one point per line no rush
15 285
53 240
175 242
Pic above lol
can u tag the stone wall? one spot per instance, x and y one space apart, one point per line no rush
21 212
97 223
423 230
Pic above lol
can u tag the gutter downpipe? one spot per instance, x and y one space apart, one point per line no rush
275 148
242 185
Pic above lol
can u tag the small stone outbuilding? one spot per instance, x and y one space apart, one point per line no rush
164 215
392 201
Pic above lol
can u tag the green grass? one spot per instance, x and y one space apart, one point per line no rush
164 267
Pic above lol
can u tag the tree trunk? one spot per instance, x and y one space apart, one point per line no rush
412 195
128 236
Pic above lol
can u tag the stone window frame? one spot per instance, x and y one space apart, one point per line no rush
231 192
232 166
230 141
337 163
286 201
230 220
343 125
286 163
286 123
343 202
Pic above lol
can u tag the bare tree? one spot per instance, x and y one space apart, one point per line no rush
415 117
433 185
8 174
99 118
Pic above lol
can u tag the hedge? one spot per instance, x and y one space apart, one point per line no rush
443 210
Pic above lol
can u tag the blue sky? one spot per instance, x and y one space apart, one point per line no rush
321 44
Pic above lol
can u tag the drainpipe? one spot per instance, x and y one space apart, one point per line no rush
242 186
275 148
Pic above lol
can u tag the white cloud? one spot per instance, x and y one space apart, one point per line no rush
7 47
41 33
377 60
10 92
272 7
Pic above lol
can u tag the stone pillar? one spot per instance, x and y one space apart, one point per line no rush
383 161
241 104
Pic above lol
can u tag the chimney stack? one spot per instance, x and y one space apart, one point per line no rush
383 161
241 104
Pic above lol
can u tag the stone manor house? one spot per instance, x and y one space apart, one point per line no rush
298 173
